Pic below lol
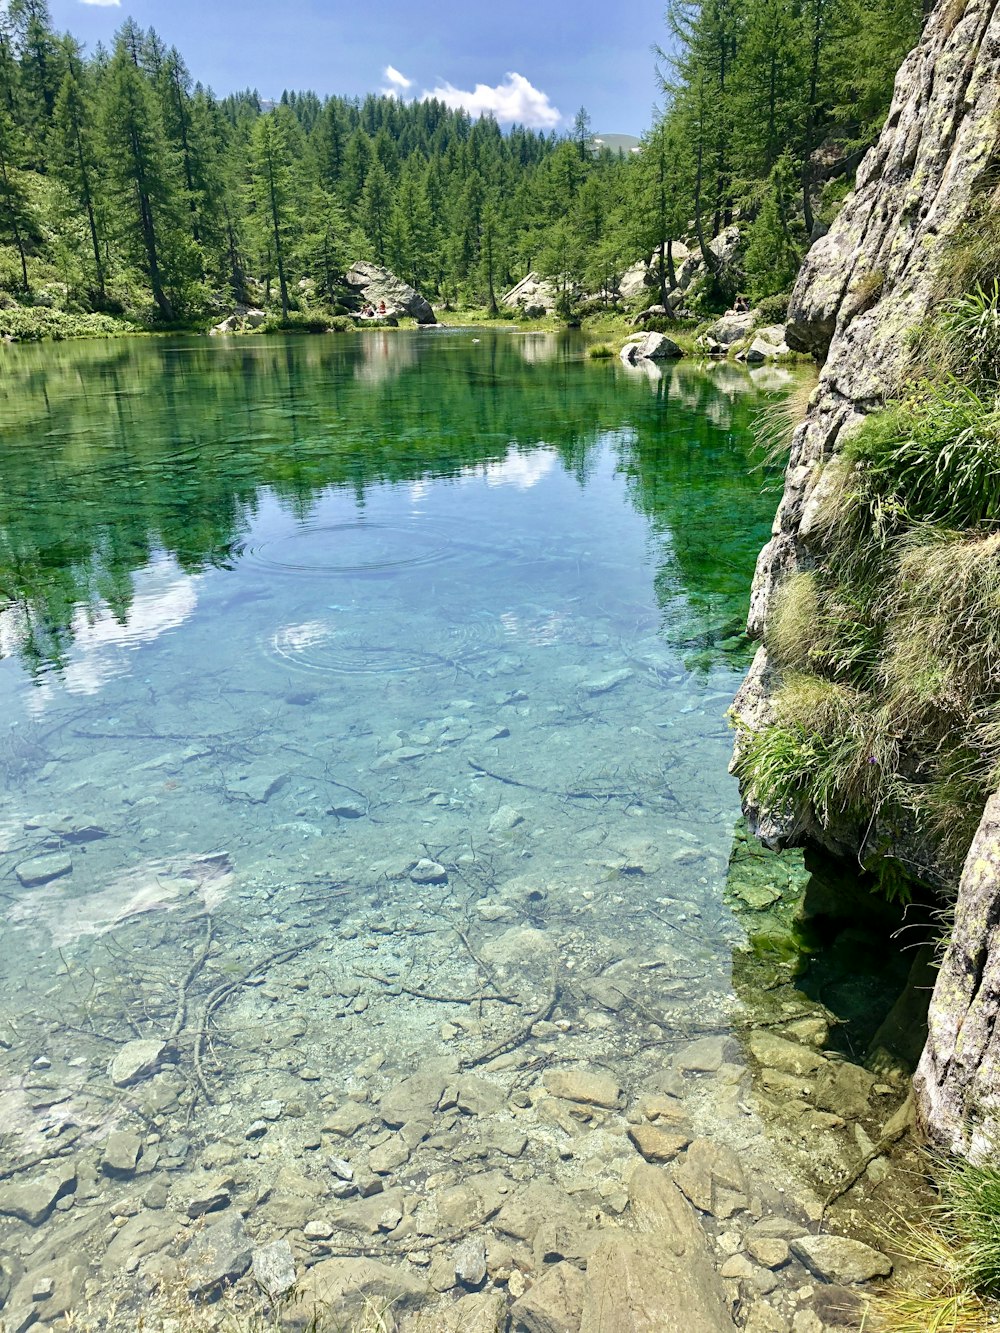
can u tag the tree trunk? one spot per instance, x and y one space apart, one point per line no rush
18 240
91 220
278 253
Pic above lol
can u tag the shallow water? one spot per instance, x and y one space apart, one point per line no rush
363 715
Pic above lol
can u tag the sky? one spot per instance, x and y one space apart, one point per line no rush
534 61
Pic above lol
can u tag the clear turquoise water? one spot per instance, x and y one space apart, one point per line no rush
283 620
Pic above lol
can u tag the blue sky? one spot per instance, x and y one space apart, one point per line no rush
567 53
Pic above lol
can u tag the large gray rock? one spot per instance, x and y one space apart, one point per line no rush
377 284
217 1257
768 344
532 292
135 1061
554 1304
731 328
863 287
651 347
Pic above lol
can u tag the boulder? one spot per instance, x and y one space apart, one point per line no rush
33 1200
42 869
217 1257
652 347
768 344
533 293
274 1268
121 1154
376 284
633 281
584 1085
661 1278
731 327
710 1175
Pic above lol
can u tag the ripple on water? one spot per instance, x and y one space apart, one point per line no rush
349 548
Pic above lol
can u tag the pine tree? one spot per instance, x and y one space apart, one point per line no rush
375 209
143 180
17 221
74 160
274 192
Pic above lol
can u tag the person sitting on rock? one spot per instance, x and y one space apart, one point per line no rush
381 310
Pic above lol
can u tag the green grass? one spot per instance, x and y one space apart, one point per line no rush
951 1281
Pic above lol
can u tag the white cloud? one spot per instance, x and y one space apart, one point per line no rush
108 3
513 100
396 84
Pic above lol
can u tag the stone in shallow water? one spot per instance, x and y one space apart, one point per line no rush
42 869
844 1089
657 1145
470 1262
121 1154
706 1056
274 1268
554 1304
135 1061
583 1085
338 1291
389 1156
710 1176
836 1259
257 786
428 872
218 1257
788 1056
33 1200
605 684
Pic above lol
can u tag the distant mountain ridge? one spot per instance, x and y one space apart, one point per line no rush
618 143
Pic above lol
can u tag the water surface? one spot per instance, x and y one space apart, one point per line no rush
362 715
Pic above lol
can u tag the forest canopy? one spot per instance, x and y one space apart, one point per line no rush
128 188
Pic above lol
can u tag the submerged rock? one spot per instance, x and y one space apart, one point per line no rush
43 869
135 1061
337 1291
582 1085
554 1304
836 1259
217 1257
121 1154
274 1268
33 1200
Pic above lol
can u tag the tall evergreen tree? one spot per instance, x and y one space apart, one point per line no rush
142 177
274 192
74 157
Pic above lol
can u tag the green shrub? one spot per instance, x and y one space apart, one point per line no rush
297 322
600 351
35 323
773 309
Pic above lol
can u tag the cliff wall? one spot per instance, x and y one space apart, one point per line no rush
862 290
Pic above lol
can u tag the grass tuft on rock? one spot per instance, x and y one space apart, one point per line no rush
951 1283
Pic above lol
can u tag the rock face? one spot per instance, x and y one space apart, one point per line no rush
532 294
863 287
376 285
958 1081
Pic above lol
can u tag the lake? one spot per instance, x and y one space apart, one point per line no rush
366 820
